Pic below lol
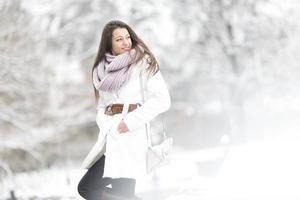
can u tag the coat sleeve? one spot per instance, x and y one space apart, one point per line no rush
157 101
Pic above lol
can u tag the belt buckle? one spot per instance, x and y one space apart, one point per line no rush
109 110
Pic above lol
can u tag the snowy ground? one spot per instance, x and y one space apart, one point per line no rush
257 170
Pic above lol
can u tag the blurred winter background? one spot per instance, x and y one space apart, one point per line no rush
233 70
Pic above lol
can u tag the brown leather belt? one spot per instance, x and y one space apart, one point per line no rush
117 108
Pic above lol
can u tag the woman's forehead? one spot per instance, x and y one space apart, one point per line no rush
120 32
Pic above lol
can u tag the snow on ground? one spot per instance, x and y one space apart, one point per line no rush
258 170
50 183
61 183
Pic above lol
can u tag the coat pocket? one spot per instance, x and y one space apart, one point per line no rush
114 128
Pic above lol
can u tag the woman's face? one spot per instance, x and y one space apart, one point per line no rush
121 41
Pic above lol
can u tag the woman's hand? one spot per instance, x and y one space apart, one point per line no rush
122 127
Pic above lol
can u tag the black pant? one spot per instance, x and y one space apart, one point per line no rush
92 184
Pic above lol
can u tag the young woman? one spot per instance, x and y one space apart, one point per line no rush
123 61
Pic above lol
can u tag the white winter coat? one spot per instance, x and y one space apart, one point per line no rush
125 154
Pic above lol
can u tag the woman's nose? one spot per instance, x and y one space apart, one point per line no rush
126 43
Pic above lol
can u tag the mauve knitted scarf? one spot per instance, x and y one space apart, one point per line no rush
114 71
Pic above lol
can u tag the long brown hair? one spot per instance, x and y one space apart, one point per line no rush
138 44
